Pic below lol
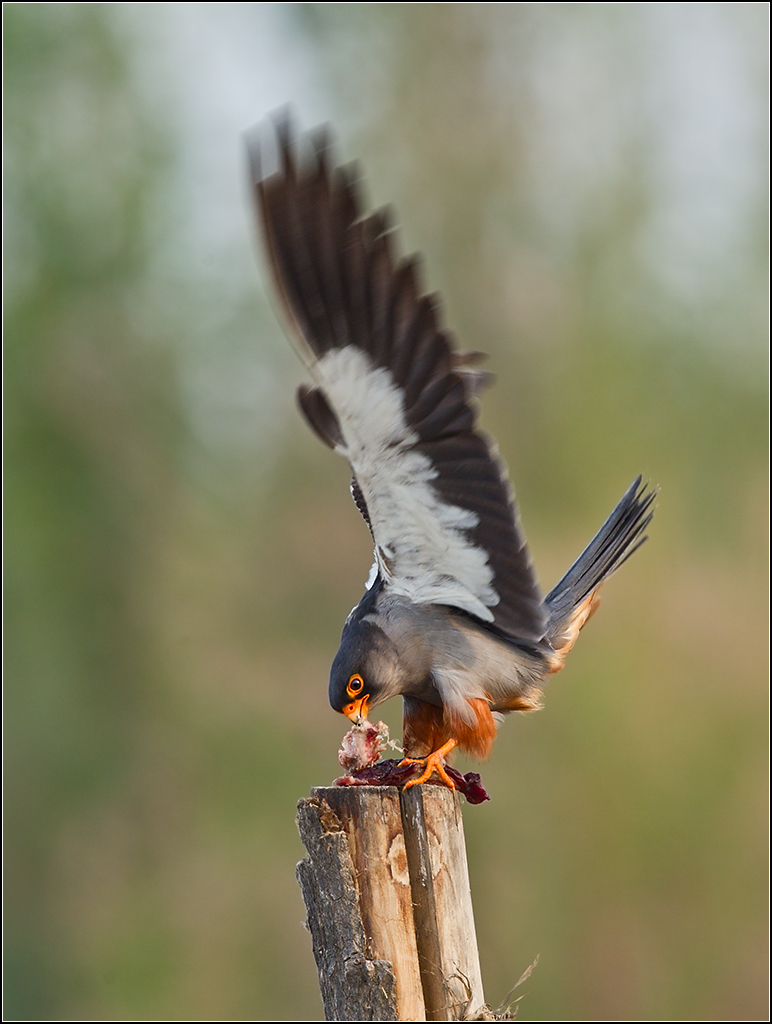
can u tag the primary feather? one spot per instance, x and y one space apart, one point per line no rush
391 395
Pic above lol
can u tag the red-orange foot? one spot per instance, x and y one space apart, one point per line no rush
433 763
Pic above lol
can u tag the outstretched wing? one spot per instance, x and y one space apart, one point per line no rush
390 394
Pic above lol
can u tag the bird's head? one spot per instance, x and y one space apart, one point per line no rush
364 672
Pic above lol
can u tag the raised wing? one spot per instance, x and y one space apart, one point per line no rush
390 394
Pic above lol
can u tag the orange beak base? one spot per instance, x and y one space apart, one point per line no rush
357 709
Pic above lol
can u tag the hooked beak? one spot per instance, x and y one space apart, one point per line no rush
357 709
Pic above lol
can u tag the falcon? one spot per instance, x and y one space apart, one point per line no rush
452 619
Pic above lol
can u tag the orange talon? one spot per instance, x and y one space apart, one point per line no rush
433 764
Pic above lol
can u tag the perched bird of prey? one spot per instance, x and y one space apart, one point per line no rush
452 619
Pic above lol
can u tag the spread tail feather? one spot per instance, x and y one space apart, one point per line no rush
573 600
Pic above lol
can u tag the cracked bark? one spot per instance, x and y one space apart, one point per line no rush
389 909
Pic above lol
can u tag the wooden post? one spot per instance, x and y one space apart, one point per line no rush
386 889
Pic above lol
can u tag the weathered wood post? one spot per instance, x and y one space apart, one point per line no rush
386 889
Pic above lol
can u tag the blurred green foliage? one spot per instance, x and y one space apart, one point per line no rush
174 594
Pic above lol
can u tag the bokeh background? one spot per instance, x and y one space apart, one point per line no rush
588 183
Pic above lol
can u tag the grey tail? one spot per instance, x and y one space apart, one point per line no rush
571 601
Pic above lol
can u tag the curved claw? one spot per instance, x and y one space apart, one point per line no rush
433 763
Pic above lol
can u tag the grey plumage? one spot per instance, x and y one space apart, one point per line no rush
454 620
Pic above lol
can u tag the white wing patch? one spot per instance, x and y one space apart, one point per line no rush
421 545
373 576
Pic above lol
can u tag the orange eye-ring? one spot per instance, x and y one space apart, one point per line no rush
355 686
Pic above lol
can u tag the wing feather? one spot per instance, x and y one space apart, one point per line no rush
391 394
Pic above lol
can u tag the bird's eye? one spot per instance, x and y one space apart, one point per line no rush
355 686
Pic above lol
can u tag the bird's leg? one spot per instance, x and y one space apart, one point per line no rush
434 763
